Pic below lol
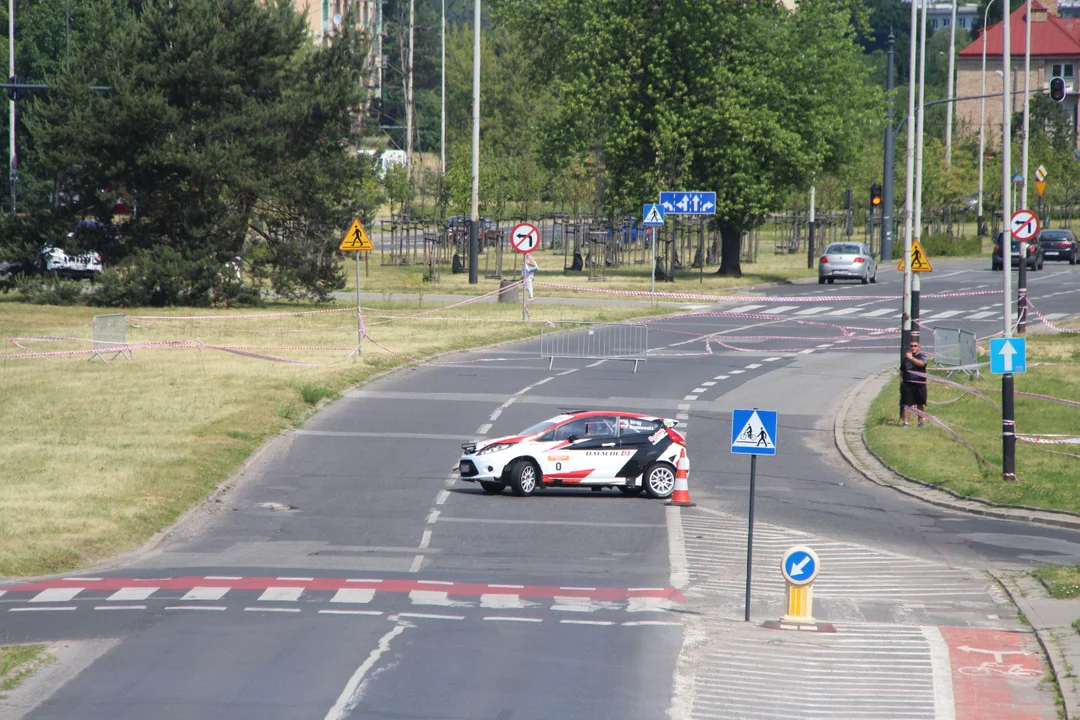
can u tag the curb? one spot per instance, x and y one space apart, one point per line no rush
1055 654
926 492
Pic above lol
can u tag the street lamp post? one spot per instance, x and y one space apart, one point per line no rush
916 282
909 192
982 121
1021 285
1008 426
951 86
474 226
890 159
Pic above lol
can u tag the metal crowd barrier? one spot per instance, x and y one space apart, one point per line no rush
110 337
955 348
595 341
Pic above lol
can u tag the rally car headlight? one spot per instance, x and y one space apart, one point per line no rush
494 448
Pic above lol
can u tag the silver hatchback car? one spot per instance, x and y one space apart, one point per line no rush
847 261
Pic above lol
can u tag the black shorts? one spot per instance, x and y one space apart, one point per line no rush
913 394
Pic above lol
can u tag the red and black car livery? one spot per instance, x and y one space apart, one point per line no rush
589 448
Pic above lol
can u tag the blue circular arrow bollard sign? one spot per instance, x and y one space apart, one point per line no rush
800 565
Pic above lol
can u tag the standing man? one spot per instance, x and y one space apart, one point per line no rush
528 272
912 386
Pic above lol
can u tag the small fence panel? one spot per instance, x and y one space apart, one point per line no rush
955 348
595 341
110 336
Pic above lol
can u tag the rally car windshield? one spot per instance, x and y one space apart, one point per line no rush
541 426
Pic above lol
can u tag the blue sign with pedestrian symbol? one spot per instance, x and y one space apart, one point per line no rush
1008 355
753 432
688 203
800 565
653 215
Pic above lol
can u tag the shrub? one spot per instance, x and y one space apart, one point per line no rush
312 394
48 290
942 246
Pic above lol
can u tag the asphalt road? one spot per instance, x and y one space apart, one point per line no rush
350 573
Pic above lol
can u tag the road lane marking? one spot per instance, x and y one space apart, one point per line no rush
425 540
353 595
441 497
223 577
753 366
205 593
569 523
431 617
510 587
700 389
690 397
363 580
375 613
944 704
708 384
214 608
586 622
981 315
877 313
272 609
416 563
56 595
778 310
512 619
351 694
664 623
814 310
772 359
434 582
736 372
744 308
132 593
502 601
721 377
42 609
296 579
281 594
120 607
432 517
484 429
435 597
680 567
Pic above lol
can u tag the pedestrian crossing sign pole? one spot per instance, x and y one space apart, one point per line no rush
356 240
753 433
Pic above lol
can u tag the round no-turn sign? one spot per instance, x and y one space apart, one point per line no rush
525 237
1024 225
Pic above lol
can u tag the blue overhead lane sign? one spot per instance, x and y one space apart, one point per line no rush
1008 355
689 202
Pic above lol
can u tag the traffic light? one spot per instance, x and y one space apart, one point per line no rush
875 195
1057 89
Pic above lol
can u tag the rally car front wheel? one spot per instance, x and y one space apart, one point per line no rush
524 478
660 480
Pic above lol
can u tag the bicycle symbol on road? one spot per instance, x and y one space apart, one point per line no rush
997 666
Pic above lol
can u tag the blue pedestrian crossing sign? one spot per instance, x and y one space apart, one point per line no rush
688 202
800 565
653 215
1008 355
753 432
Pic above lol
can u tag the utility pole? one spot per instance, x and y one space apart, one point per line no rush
13 157
909 193
1021 285
890 159
1008 425
474 226
442 114
409 104
951 87
810 234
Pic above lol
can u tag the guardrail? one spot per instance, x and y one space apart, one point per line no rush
595 341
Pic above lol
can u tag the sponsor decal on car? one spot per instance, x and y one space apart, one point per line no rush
658 436
558 458
610 453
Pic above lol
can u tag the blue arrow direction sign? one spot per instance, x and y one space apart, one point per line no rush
1008 355
800 565
753 432
653 215
689 202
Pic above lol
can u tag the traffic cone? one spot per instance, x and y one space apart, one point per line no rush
681 496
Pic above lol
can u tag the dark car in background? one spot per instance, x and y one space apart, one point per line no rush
1059 245
1034 259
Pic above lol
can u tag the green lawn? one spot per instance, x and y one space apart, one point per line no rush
18 662
930 454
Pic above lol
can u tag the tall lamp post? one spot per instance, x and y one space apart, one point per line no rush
474 226
890 158
909 192
1008 426
951 86
982 121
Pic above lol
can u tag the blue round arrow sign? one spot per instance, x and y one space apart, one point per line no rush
800 565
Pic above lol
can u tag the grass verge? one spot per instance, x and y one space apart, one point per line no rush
97 458
1044 479
18 662
1062 583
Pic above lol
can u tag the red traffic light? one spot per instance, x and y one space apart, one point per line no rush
1057 89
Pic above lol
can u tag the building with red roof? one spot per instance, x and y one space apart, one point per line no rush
1055 52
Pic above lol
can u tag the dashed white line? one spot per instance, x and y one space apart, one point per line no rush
663 623
432 617
576 588
434 582
690 397
736 372
425 540
363 580
682 407
214 608
512 619
708 384
351 612
495 415
416 563
586 622
223 577
699 390
120 607
753 366
484 429
42 609
721 377
806 351
272 609
432 517
441 497
297 579
825 345
772 359
509 587
281 594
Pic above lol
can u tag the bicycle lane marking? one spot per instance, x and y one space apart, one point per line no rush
998 675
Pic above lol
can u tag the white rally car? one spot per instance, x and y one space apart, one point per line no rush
596 449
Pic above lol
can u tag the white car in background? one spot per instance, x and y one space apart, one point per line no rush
847 261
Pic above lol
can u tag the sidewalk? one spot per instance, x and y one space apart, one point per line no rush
1050 619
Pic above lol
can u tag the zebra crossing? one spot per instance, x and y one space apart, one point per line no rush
988 313
856 582
867 672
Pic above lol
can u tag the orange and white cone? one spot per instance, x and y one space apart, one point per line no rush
681 495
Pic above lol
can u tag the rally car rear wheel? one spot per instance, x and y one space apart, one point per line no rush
523 478
660 480
492 488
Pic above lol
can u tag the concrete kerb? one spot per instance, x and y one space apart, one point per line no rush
849 429
1051 620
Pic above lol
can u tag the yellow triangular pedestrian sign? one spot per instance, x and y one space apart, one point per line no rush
356 239
919 261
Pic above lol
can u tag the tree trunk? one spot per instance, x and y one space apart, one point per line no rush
730 246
